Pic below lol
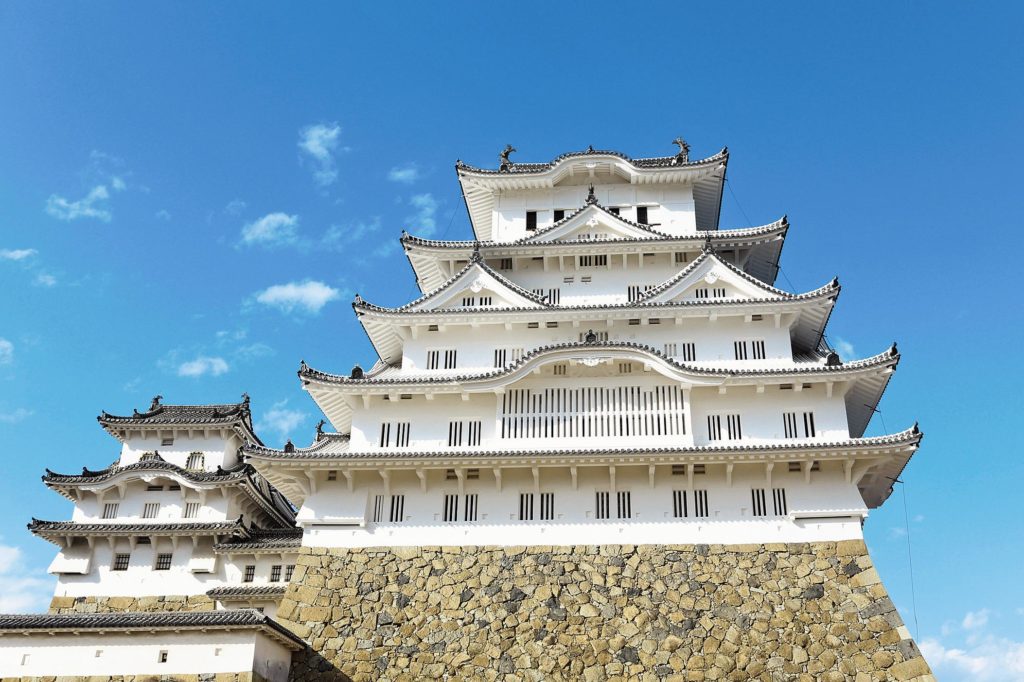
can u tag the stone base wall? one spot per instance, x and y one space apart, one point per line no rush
200 677
774 612
173 602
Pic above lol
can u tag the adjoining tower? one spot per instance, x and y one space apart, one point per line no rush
601 443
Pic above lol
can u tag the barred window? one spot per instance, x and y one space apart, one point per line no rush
121 562
191 510
250 574
394 434
163 562
110 510
526 506
151 510
196 460
679 509
601 504
624 505
378 508
289 570
451 508
275 573
470 508
397 509
700 503
757 498
442 358
733 429
547 506
779 501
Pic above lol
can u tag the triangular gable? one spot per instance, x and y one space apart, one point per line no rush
587 223
476 286
709 277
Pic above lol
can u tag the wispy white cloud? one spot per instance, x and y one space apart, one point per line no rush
24 591
92 205
974 620
14 416
235 207
424 221
319 142
6 351
203 365
280 420
273 229
253 351
45 279
17 254
338 238
989 659
845 349
407 174
308 296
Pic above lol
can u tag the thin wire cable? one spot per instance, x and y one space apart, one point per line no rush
415 285
728 183
910 560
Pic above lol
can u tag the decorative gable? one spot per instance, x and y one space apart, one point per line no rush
710 278
591 223
477 286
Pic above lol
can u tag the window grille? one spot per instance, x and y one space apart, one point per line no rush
757 347
451 508
779 501
679 509
739 349
526 506
250 574
151 510
394 434
467 433
568 280
624 506
757 498
121 562
601 504
442 358
163 562
547 506
110 510
625 368
191 510
486 300
166 442
506 264
688 352
147 456
671 350
504 356
559 370
601 336
378 508
592 412
681 257
471 506
397 509
468 301
153 488
196 460
554 296
733 429
809 431
275 573
791 425
593 261
700 503
472 474
551 325
288 571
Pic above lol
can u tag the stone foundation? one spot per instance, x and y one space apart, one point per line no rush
173 602
208 677
772 612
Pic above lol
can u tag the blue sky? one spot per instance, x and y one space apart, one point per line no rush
190 195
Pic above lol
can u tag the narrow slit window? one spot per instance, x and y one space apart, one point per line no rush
451 508
679 509
110 510
471 506
397 509
700 503
531 221
688 352
602 504
624 506
641 215
378 508
779 501
547 506
757 500
151 510
191 510
526 506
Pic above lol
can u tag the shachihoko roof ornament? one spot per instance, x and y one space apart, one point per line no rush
505 164
684 151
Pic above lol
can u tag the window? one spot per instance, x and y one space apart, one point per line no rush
394 433
191 510
679 510
467 433
110 510
551 325
624 505
288 571
174 486
451 508
586 279
503 356
441 358
700 503
745 350
757 348
196 460
757 500
332 475
671 349
681 257
275 573
151 510
601 336
615 210
505 264
163 562
688 351
165 442
560 369
641 215
547 506
162 656
531 221
791 424
526 506
601 504
554 296
779 501
147 456
472 474
153 488
559 214
121 562
733 429
472 503
378 508
397 509
250 573
705 293
635 291
593 261
568 280
625 368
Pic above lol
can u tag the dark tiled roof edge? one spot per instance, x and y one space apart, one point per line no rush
664 162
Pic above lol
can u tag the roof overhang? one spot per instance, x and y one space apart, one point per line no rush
480 188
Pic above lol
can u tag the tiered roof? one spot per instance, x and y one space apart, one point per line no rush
58 531
480 186
159 417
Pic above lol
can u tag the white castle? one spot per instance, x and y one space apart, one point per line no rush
601 364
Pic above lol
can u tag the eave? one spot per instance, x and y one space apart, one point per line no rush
481 187
62 532
868 462
435 261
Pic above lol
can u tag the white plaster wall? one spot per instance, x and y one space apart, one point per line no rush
713 340
671 205
730 519
215 505
761 415
138 654
219 451
141 580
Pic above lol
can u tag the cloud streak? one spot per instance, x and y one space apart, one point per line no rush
202 366
273 229
23 591
280 420
308 296
92 205
17 254
405 174
6 351
318 143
